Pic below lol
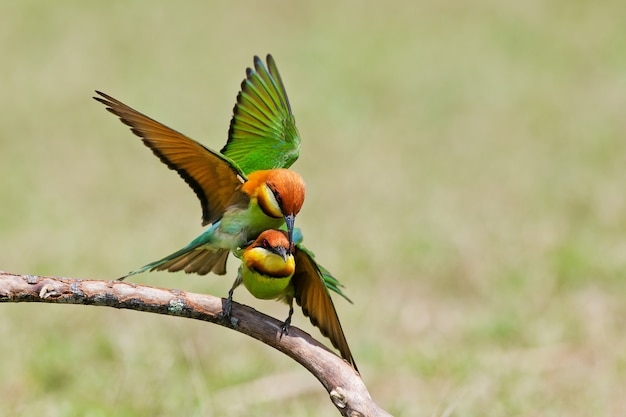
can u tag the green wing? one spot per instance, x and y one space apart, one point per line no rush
263 133
330 282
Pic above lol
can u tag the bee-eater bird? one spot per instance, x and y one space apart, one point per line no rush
255 145
270 270
239 206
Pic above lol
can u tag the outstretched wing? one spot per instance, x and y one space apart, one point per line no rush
214 178
331 282
312 295
263 133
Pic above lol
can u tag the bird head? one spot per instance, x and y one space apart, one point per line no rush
270 254
273 241
282 196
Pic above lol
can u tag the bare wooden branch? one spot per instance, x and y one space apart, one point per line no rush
347 391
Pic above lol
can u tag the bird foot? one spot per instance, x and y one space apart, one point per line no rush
226 310
284 329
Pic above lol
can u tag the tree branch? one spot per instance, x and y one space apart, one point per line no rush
347 391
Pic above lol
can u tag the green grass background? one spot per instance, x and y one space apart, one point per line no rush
465 166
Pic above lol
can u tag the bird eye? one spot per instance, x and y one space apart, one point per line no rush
265 243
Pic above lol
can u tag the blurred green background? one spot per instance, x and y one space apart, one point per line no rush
465 166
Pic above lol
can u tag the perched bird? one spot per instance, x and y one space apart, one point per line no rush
257 141
238 206
270 270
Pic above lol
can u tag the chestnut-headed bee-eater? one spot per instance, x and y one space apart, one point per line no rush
253 147
270 270
238 202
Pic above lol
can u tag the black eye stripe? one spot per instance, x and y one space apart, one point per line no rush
277 196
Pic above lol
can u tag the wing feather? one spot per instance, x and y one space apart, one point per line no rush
312 295
214 178
263 133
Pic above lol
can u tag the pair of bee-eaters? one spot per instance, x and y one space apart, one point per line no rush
249 198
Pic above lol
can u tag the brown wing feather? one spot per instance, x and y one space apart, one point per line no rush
214 178
199 261
311 294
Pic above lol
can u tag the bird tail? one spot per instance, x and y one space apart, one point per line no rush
194 258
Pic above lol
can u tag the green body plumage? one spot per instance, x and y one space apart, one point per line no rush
264 287
227 234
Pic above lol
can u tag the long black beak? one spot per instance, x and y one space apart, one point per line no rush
289 220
